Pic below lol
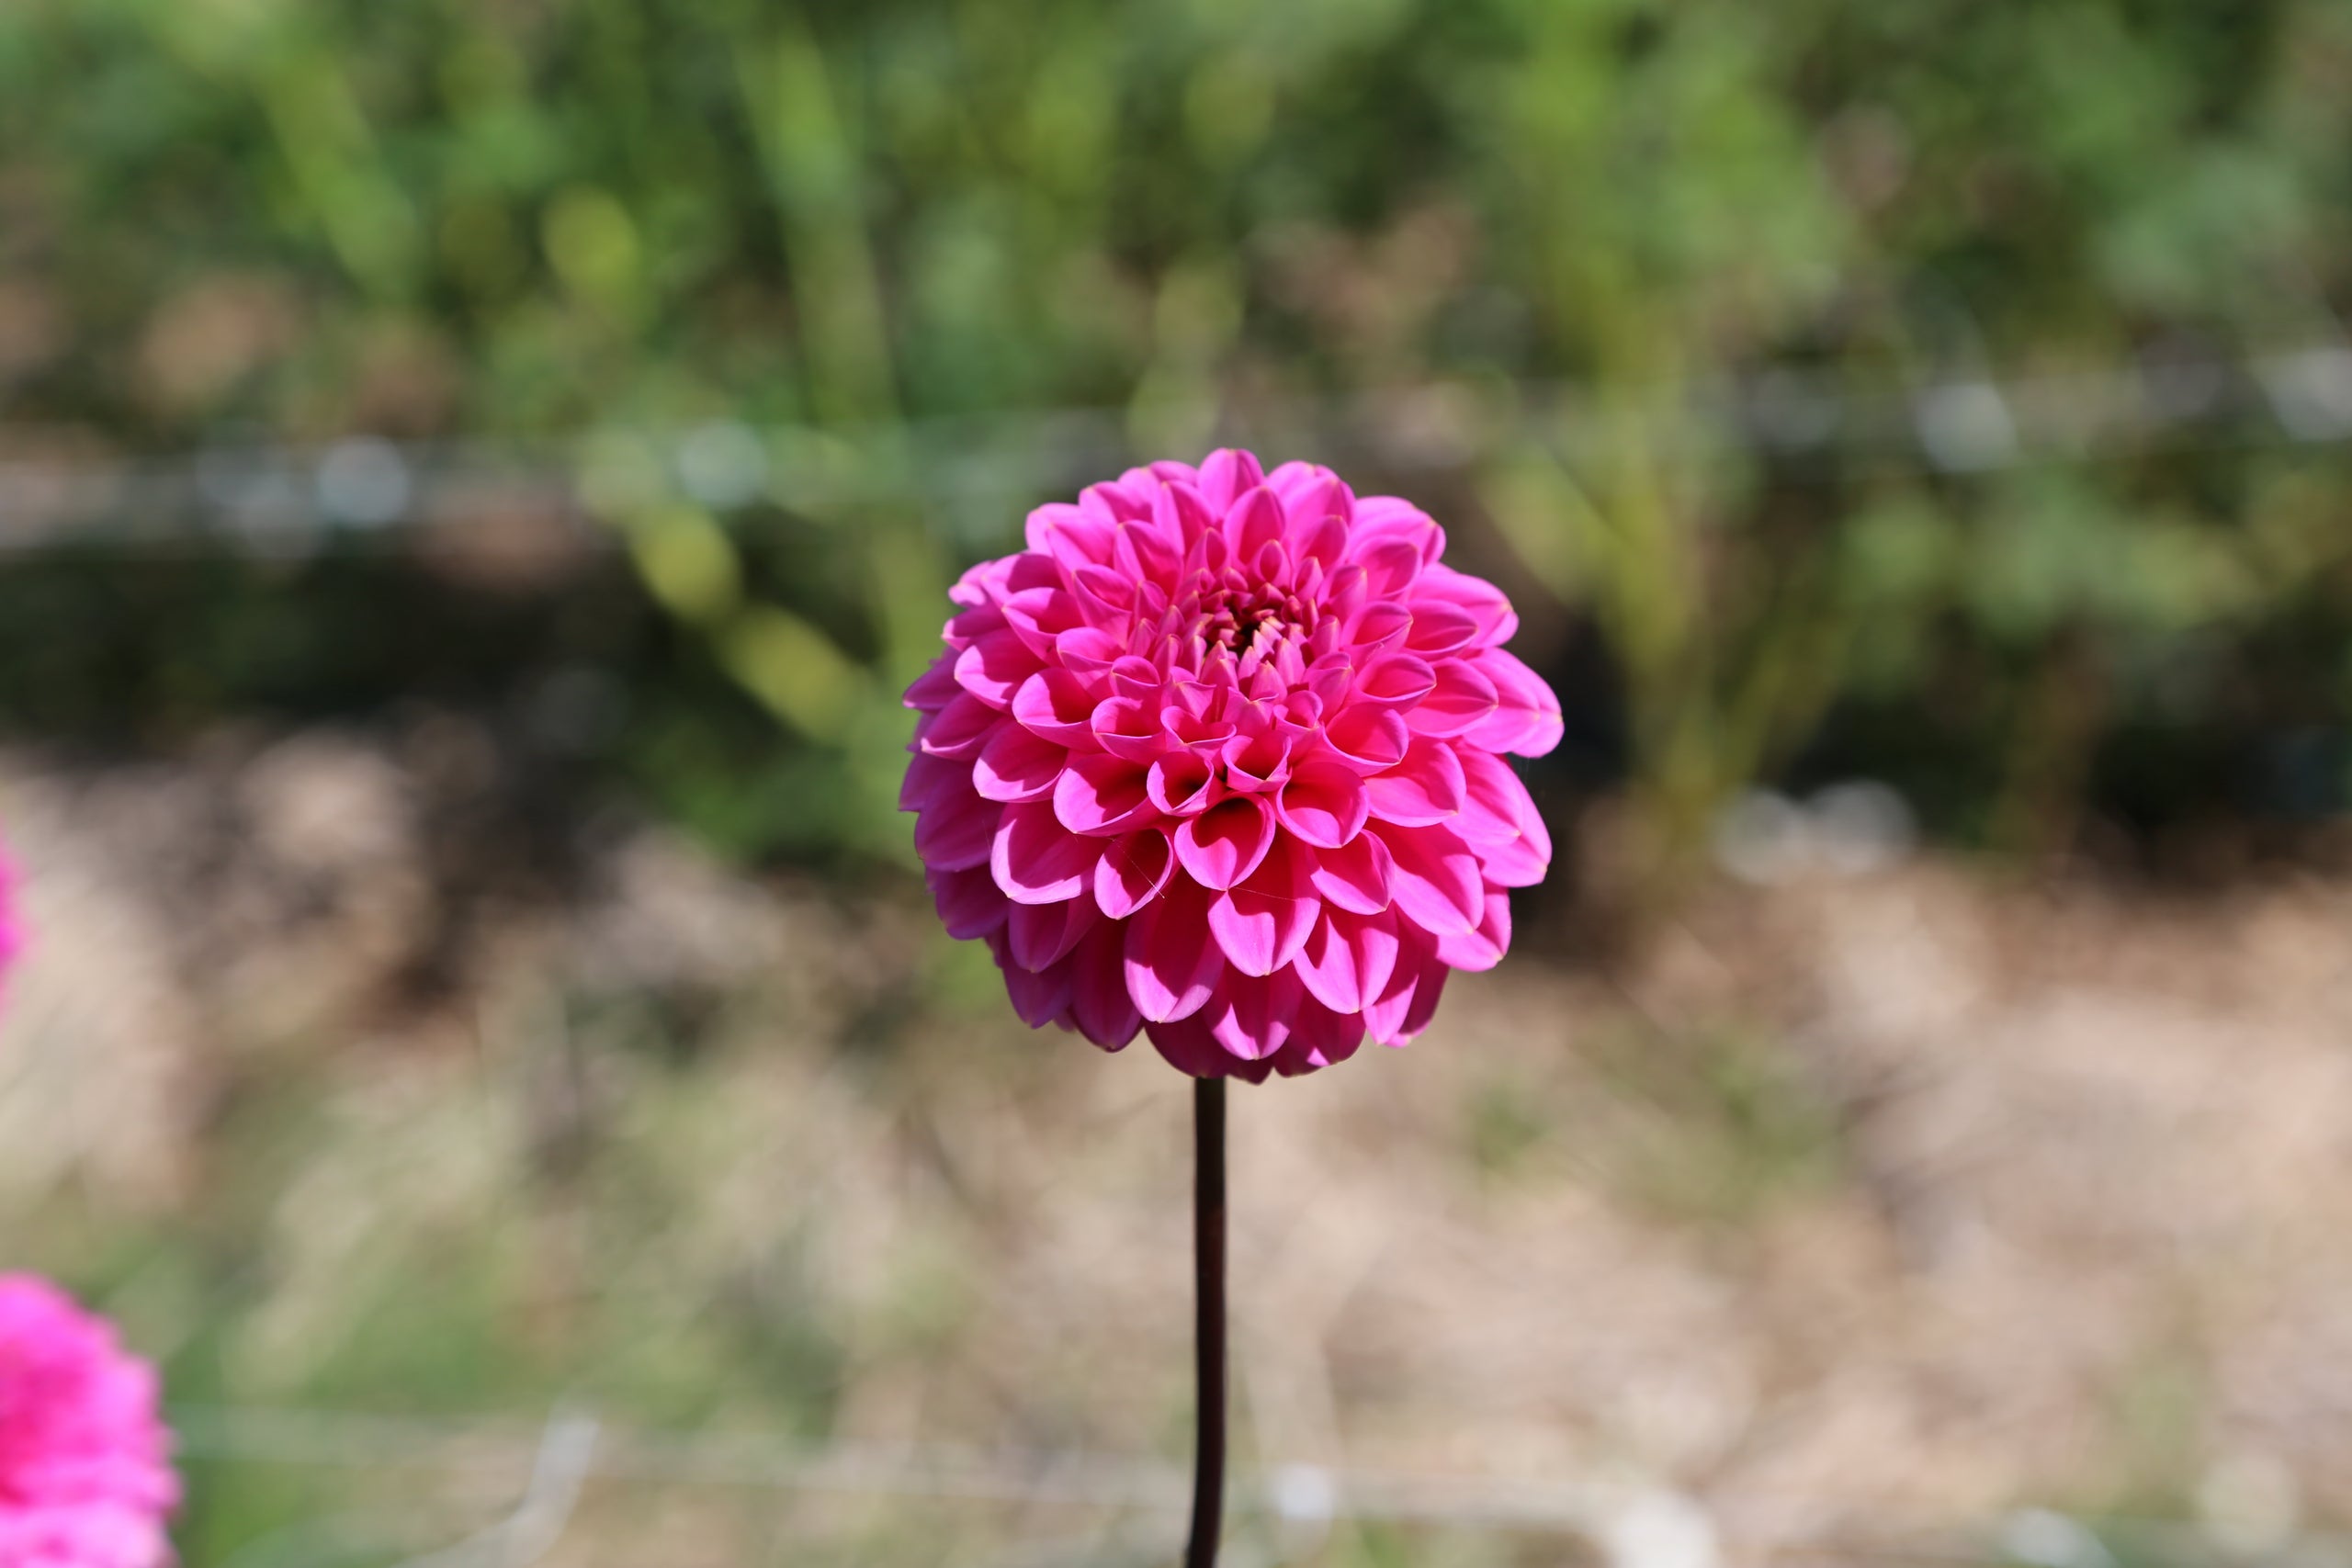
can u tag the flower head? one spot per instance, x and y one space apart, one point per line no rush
1220 757
85 1482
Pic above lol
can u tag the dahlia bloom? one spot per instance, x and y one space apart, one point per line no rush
1219 757
85 1482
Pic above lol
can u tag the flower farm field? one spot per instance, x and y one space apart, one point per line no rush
1837 1221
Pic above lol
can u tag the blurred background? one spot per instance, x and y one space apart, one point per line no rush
473 477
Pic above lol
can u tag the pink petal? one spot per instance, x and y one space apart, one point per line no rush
1226 843
1191 1047
1527 717
1369 740
1227 474
1179 783
1171 961
1040 998
959 730
1042 934
1067 533
1379 627
1057 706
1251 1015
1462 700
935 687
1263 923
1101 795
1039 615
970 902
1388 517
1356 877
1016 765
925 774
1439 629
1133 870
1394 680
1088 650
1325 803
1492 802
1479 599
1426 787
1387 1015
1099 1002
957 828
1390 564
1318 1038
1484 948
1129 727
1435 882
1348 959
993 668
1036 861
1253 522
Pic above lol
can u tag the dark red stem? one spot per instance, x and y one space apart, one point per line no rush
1208 1282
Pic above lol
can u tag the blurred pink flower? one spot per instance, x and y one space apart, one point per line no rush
1220 757
85 1481
11 929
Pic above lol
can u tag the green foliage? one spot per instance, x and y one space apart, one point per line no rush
603 223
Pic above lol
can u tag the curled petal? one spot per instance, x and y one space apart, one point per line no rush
1253 522
1251 1014
1227 843
1016 765
1438 629
970 902
1181 784
1482 601
1171 961
993 668
1036 861
1101 795
925 776
1324 804
1356 876
1461 700
1133 871
1348 958
935 687
1099 1002
1129 727
1057 706
1435 881
1226 474
1426 786
1390 564
1192 1048
1526 719
1482 949
1039 615
1318 1038
1394 680
1039 997
1369 740
1263 922
958 730
957 827
1040 935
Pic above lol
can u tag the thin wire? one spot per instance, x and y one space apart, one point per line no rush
282 498
764 1462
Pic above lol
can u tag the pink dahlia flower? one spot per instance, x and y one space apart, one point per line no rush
1220 757
85 1481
